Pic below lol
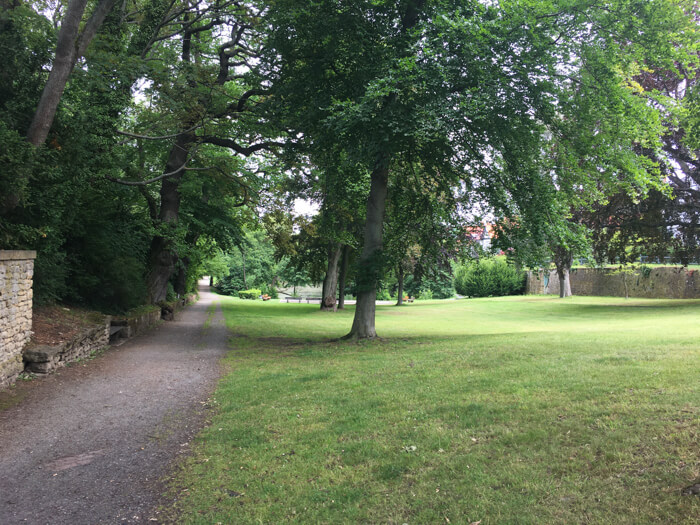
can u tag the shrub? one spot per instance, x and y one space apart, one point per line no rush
383 295
269 290
425 294
249 294
440 282
489 278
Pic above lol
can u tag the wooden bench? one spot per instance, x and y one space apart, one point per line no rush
308 300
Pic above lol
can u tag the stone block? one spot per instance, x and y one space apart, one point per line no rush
42 354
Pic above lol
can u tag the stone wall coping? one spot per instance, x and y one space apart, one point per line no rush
17 255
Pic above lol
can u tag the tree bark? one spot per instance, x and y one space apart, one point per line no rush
343 277
163 256
563 259
330 283
370 259
181 281
69 47
399 275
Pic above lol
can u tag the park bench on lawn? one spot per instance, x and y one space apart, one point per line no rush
300 299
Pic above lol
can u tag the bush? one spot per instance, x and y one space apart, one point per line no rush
489 278
249 294
383 295
425 294
269 290
439 281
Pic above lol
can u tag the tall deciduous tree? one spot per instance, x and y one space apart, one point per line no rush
200 104
473 90
71 44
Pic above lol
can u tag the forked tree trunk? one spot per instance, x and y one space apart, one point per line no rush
71 44
330 283
370 259
343 277
563 259
399 274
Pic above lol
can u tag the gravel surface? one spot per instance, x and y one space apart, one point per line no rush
93 442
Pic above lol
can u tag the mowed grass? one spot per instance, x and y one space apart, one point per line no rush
510 410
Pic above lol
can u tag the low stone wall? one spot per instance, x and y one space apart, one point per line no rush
168 310
135 325
652 283
16 273
124 328
43 359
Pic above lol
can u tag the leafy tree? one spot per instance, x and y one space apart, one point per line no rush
216 267
472 90
251 265
198 114
424 232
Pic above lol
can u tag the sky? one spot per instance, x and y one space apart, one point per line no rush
304 207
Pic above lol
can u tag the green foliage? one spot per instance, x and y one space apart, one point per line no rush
290 275
489 278
216 266
269 290
425 294
253 264
249 294
383 295
435 281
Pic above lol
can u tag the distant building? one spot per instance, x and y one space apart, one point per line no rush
481 235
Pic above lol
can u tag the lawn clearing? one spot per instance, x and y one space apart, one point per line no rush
509 410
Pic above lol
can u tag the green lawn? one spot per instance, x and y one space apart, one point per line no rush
510 410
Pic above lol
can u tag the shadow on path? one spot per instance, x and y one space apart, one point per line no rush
90 443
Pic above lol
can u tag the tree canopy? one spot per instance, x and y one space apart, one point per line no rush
177 118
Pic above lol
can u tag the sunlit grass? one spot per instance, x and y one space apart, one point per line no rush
510 410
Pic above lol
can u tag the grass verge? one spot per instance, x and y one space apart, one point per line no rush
509 410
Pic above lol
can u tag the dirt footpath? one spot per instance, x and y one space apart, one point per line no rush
91 443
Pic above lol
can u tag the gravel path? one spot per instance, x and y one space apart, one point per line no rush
92 442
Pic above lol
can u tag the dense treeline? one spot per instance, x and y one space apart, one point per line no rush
149 142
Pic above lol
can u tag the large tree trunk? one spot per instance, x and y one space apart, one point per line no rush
563 259
69 47
181 281
399 275
343 277
163 256
330 283
370 259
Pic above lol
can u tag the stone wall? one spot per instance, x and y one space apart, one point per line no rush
42 359
653 283
16 272
124 328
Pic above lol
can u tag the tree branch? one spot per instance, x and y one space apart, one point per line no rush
163 137
245 151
